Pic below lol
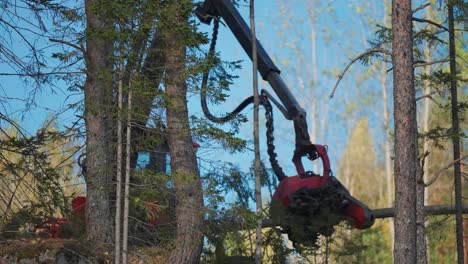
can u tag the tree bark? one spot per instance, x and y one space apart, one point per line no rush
184 170
118 181
127 177
465 222
257 166
421 222
456 134
406 162
388 135
388 150
313 104
99 121
421 190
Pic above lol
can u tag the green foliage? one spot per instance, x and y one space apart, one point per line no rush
206 131
34 171
383 36
439 79
441 238
151 198
231 225
361 246
21 223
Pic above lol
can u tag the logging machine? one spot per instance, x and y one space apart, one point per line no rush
306 205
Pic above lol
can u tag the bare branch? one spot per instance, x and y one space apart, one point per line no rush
38 74
421 7
422 64
423 161
422 20
429 95
446 167
416 35
68 44
360 56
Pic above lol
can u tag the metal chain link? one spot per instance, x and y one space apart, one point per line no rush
270 137
263 101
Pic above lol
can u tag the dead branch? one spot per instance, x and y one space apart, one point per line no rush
422 20
423 161
446 167
39 74
68 44
360 56
422 64
421 7
429 95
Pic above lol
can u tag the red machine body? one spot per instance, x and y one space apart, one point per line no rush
310 204
52 227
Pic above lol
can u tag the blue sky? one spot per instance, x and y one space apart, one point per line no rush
283 27
280 27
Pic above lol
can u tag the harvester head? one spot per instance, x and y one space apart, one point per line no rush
310 205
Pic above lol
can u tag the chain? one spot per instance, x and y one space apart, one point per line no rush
263 101
270 137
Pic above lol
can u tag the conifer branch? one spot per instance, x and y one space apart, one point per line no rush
422 20
68 44
360 56
429 95
421 7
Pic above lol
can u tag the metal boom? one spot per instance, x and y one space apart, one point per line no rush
224 8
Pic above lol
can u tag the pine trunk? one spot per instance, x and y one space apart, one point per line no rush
100 152
456 134
184 170
406 162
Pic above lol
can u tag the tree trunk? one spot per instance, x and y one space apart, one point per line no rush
257 166
421 220
388 134
422 196
313 104
128 145
465 222
406 144
456 134
98 120
118 181
388 150
184 170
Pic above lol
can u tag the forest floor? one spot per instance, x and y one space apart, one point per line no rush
51 250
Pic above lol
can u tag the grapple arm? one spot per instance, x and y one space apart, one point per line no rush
224 8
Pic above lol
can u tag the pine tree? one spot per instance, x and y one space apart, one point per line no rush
406 142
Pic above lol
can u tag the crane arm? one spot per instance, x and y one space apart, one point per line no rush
224 8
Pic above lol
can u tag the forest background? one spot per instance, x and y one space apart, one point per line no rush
311 42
